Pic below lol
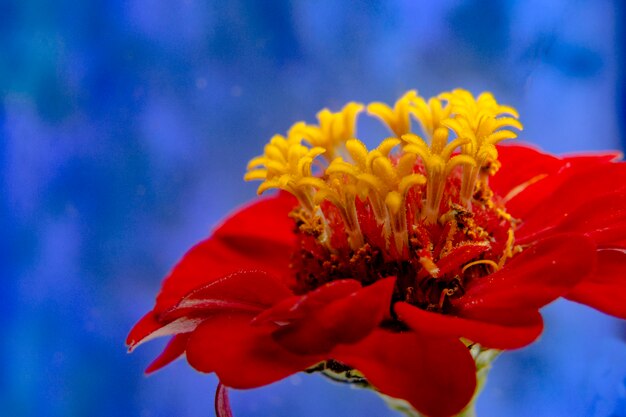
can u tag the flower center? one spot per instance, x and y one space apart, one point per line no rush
416 207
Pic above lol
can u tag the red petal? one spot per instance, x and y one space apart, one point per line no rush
534 278
146 325
599 218
520 164
605 289
251 291
141 334
437 376
590 158
492 335
543 203
258 237
298 307
346 320
222 403
174 349
243 356
245 291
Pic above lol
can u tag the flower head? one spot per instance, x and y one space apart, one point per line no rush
393 267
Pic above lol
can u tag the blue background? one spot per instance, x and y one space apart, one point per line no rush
125 127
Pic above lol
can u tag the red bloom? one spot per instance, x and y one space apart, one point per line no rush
394 264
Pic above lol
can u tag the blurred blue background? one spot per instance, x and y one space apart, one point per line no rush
125 129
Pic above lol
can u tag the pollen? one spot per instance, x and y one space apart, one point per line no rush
417 205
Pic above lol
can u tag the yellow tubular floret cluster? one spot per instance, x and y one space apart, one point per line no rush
458 131
398 118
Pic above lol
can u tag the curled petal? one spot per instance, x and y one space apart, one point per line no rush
149 328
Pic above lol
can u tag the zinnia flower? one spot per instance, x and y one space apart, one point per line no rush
401 268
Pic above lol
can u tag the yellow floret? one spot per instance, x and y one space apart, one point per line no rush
333 130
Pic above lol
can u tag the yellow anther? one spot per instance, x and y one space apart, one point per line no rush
509 248
384 169
387 145
256 174
333 130
430 114
358 152
398 118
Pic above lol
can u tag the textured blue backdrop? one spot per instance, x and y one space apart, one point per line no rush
125 128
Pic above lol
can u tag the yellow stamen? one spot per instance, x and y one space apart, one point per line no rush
438 162
509 249
430 114
481 262
479 120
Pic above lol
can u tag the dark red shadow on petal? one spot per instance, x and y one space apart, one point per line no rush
437 376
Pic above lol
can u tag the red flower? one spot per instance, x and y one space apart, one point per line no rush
390 266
